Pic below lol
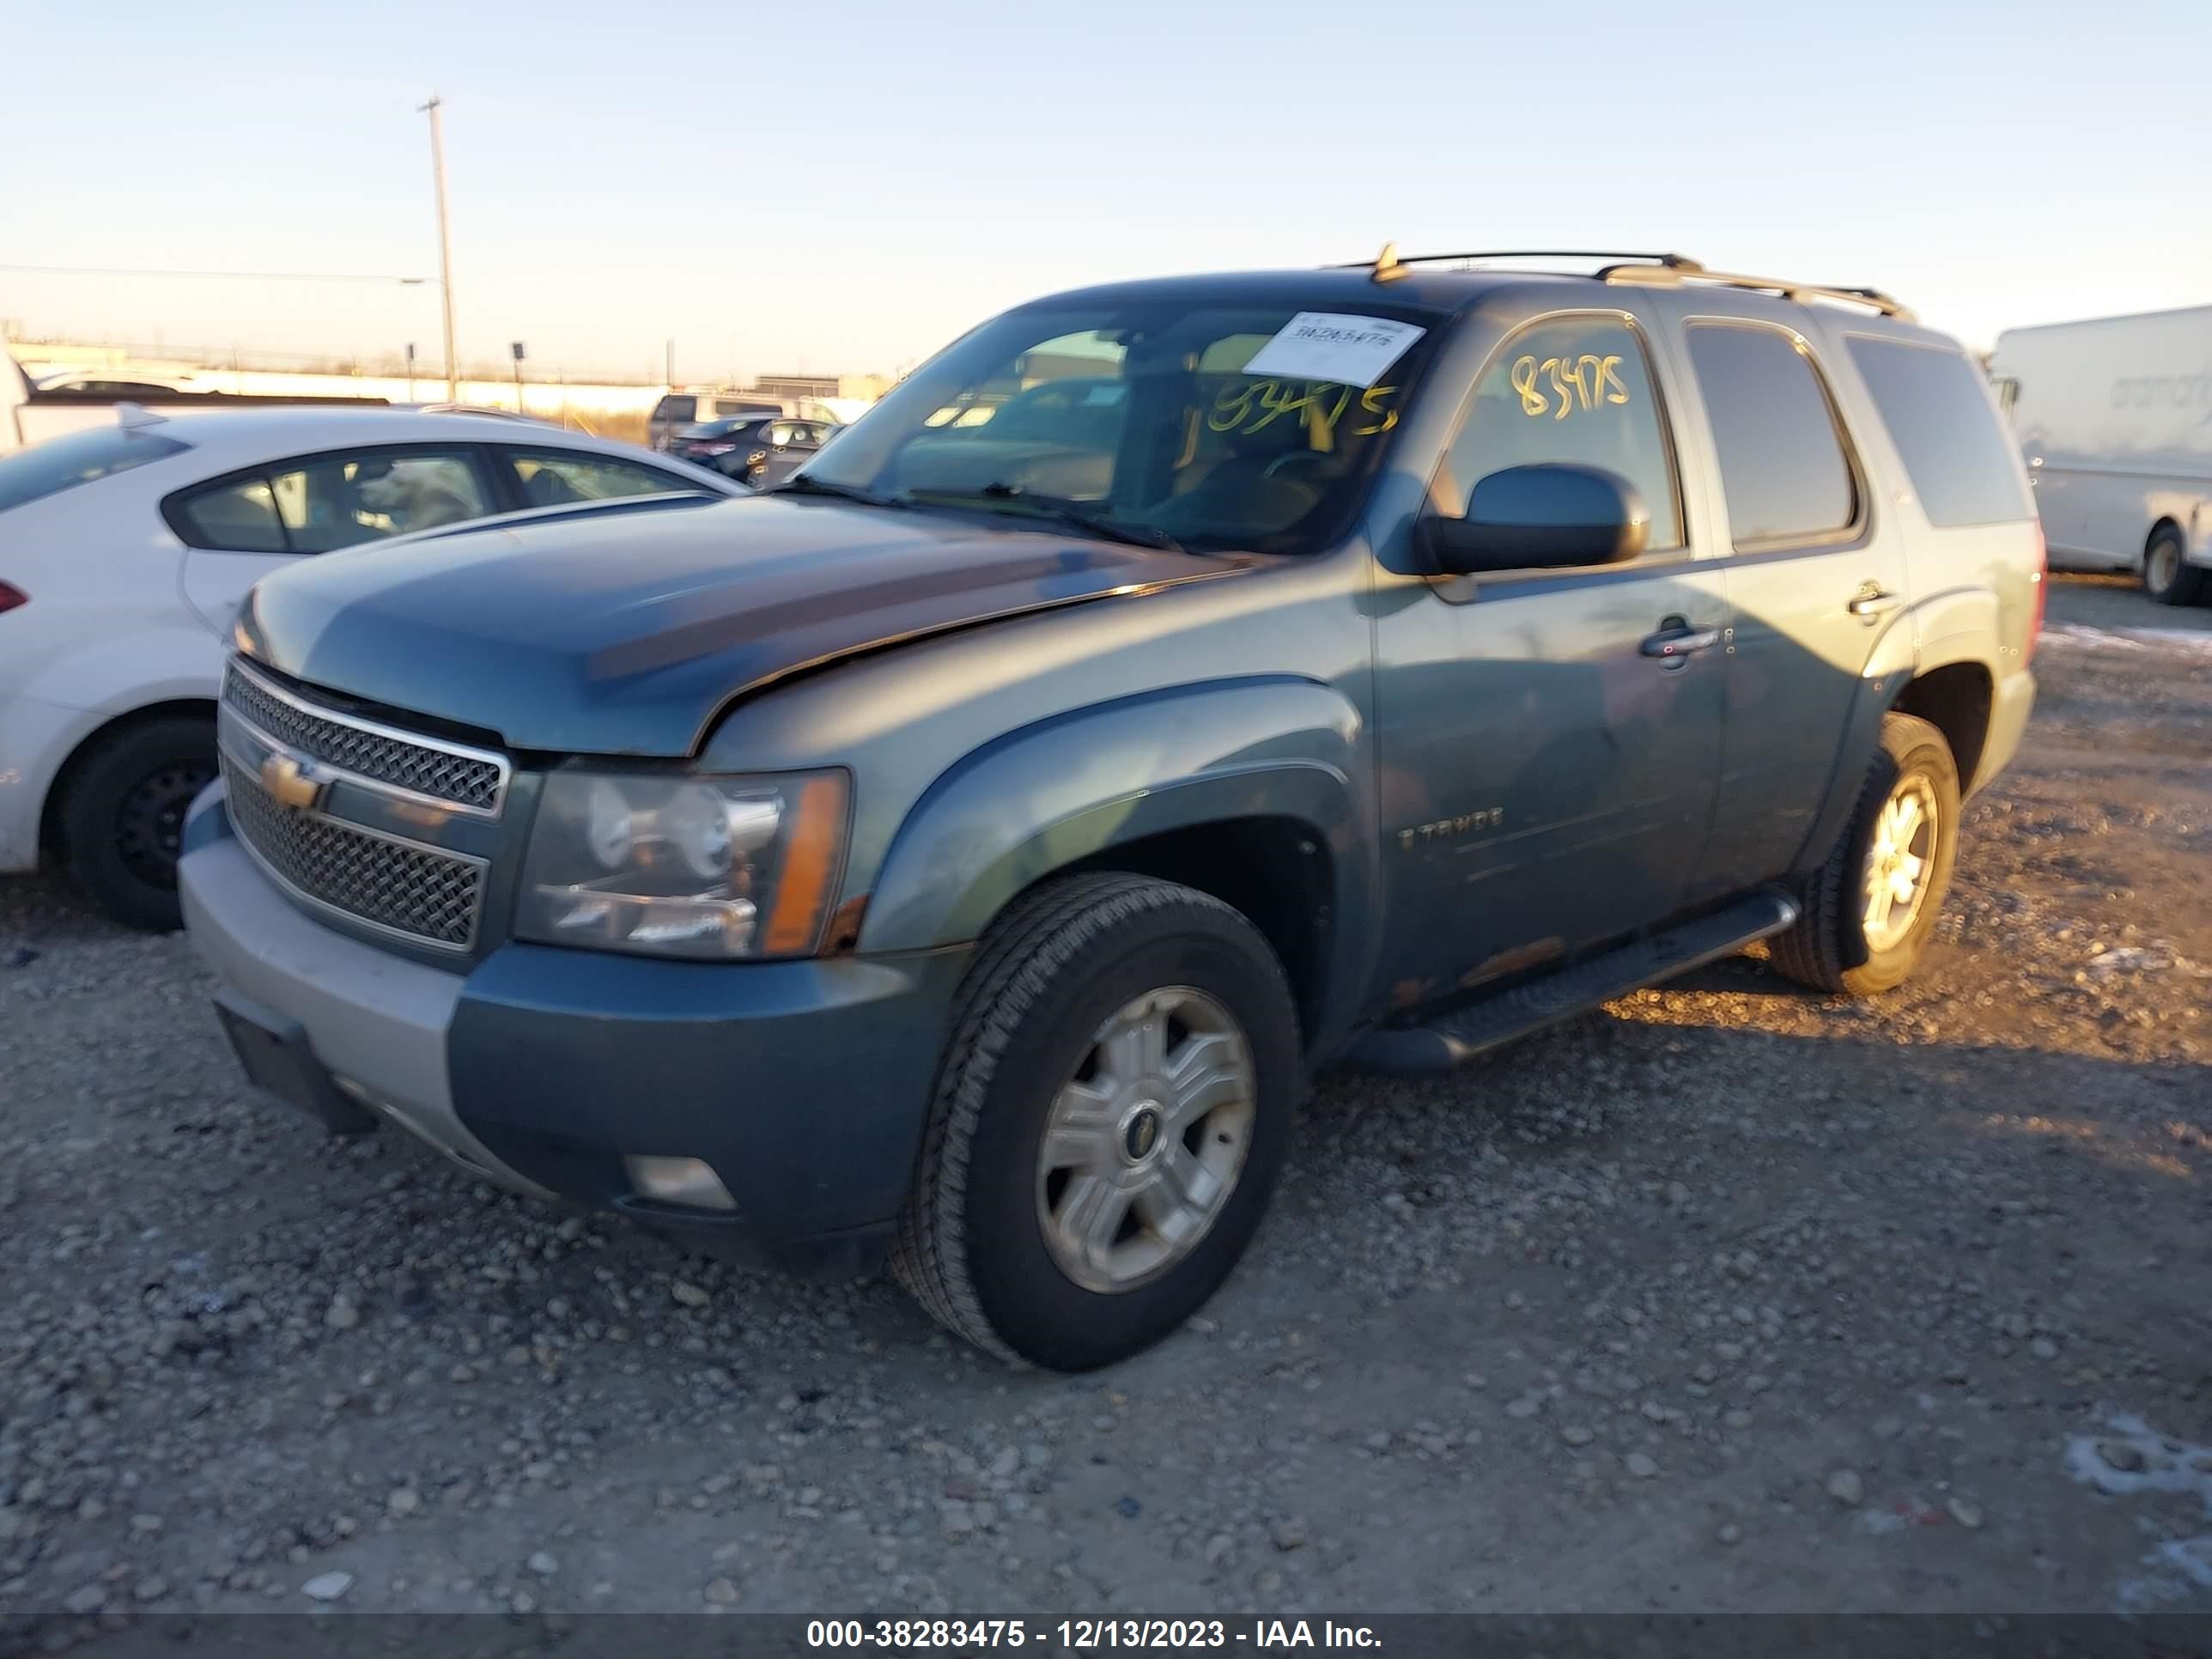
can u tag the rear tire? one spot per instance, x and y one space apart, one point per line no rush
983 1245
1848 941
2166 577
124 812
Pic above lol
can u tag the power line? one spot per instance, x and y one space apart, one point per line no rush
239 276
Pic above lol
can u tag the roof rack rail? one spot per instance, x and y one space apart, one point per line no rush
1390 265
1656 270
1675 273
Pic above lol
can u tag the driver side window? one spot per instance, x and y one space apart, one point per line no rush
1577 390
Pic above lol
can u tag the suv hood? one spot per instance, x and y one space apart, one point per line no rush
629 634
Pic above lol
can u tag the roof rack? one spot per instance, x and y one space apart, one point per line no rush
1655 269
1390 264
1675 273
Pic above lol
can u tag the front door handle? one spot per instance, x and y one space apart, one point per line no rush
1674 646
1873 602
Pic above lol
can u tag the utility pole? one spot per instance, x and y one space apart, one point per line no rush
445 243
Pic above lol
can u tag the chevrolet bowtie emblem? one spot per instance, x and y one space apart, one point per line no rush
294 782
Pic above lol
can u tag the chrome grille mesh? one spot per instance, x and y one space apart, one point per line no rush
465 780
415 891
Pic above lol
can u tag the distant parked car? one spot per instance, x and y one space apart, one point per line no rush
683 409
126 548
106 383
761 450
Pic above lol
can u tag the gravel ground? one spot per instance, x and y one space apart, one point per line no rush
1724 1297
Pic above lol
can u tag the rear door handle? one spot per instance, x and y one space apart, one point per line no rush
1874 604
1674 646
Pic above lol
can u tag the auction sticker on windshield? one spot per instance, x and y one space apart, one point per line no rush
1332 345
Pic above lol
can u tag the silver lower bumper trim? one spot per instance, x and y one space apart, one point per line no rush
378 1022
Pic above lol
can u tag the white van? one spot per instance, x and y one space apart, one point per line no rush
2114 418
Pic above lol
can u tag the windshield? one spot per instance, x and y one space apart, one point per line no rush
60 464
1218 427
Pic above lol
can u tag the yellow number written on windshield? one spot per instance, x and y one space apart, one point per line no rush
1254 405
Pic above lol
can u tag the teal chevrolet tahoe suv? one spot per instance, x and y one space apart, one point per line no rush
962 855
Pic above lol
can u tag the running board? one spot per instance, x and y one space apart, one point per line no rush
1452 1039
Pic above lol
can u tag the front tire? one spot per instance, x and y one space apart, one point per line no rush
1110 1118
2168 578
1871 907
124 812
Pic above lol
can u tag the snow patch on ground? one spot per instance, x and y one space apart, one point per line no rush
2194 641
2131 1457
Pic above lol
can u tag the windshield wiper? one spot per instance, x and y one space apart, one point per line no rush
800 484
1062 510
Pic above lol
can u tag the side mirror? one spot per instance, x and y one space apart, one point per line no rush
1529 518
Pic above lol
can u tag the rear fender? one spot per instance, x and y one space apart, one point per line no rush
1959 626
112 673
1888 670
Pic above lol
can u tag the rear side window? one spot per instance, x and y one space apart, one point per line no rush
238 517
321 504
1957 457
675 409
558 480
340 502
79 457
1782 461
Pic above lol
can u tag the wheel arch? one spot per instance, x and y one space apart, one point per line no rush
1276 870
1937 661
50 847
1956 698
1241 789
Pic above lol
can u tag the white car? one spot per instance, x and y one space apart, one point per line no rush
124 384
125 550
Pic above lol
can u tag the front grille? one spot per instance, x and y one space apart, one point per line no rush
416 890
475 782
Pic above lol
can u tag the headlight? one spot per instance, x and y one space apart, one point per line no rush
721 868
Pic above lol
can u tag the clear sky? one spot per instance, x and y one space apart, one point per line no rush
832 186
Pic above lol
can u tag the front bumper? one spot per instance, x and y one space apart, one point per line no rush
803 1084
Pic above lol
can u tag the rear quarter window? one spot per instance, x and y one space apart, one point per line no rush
79 457
1956 453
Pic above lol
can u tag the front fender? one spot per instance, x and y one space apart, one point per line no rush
1041 797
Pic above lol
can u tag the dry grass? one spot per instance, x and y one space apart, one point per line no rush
628 427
